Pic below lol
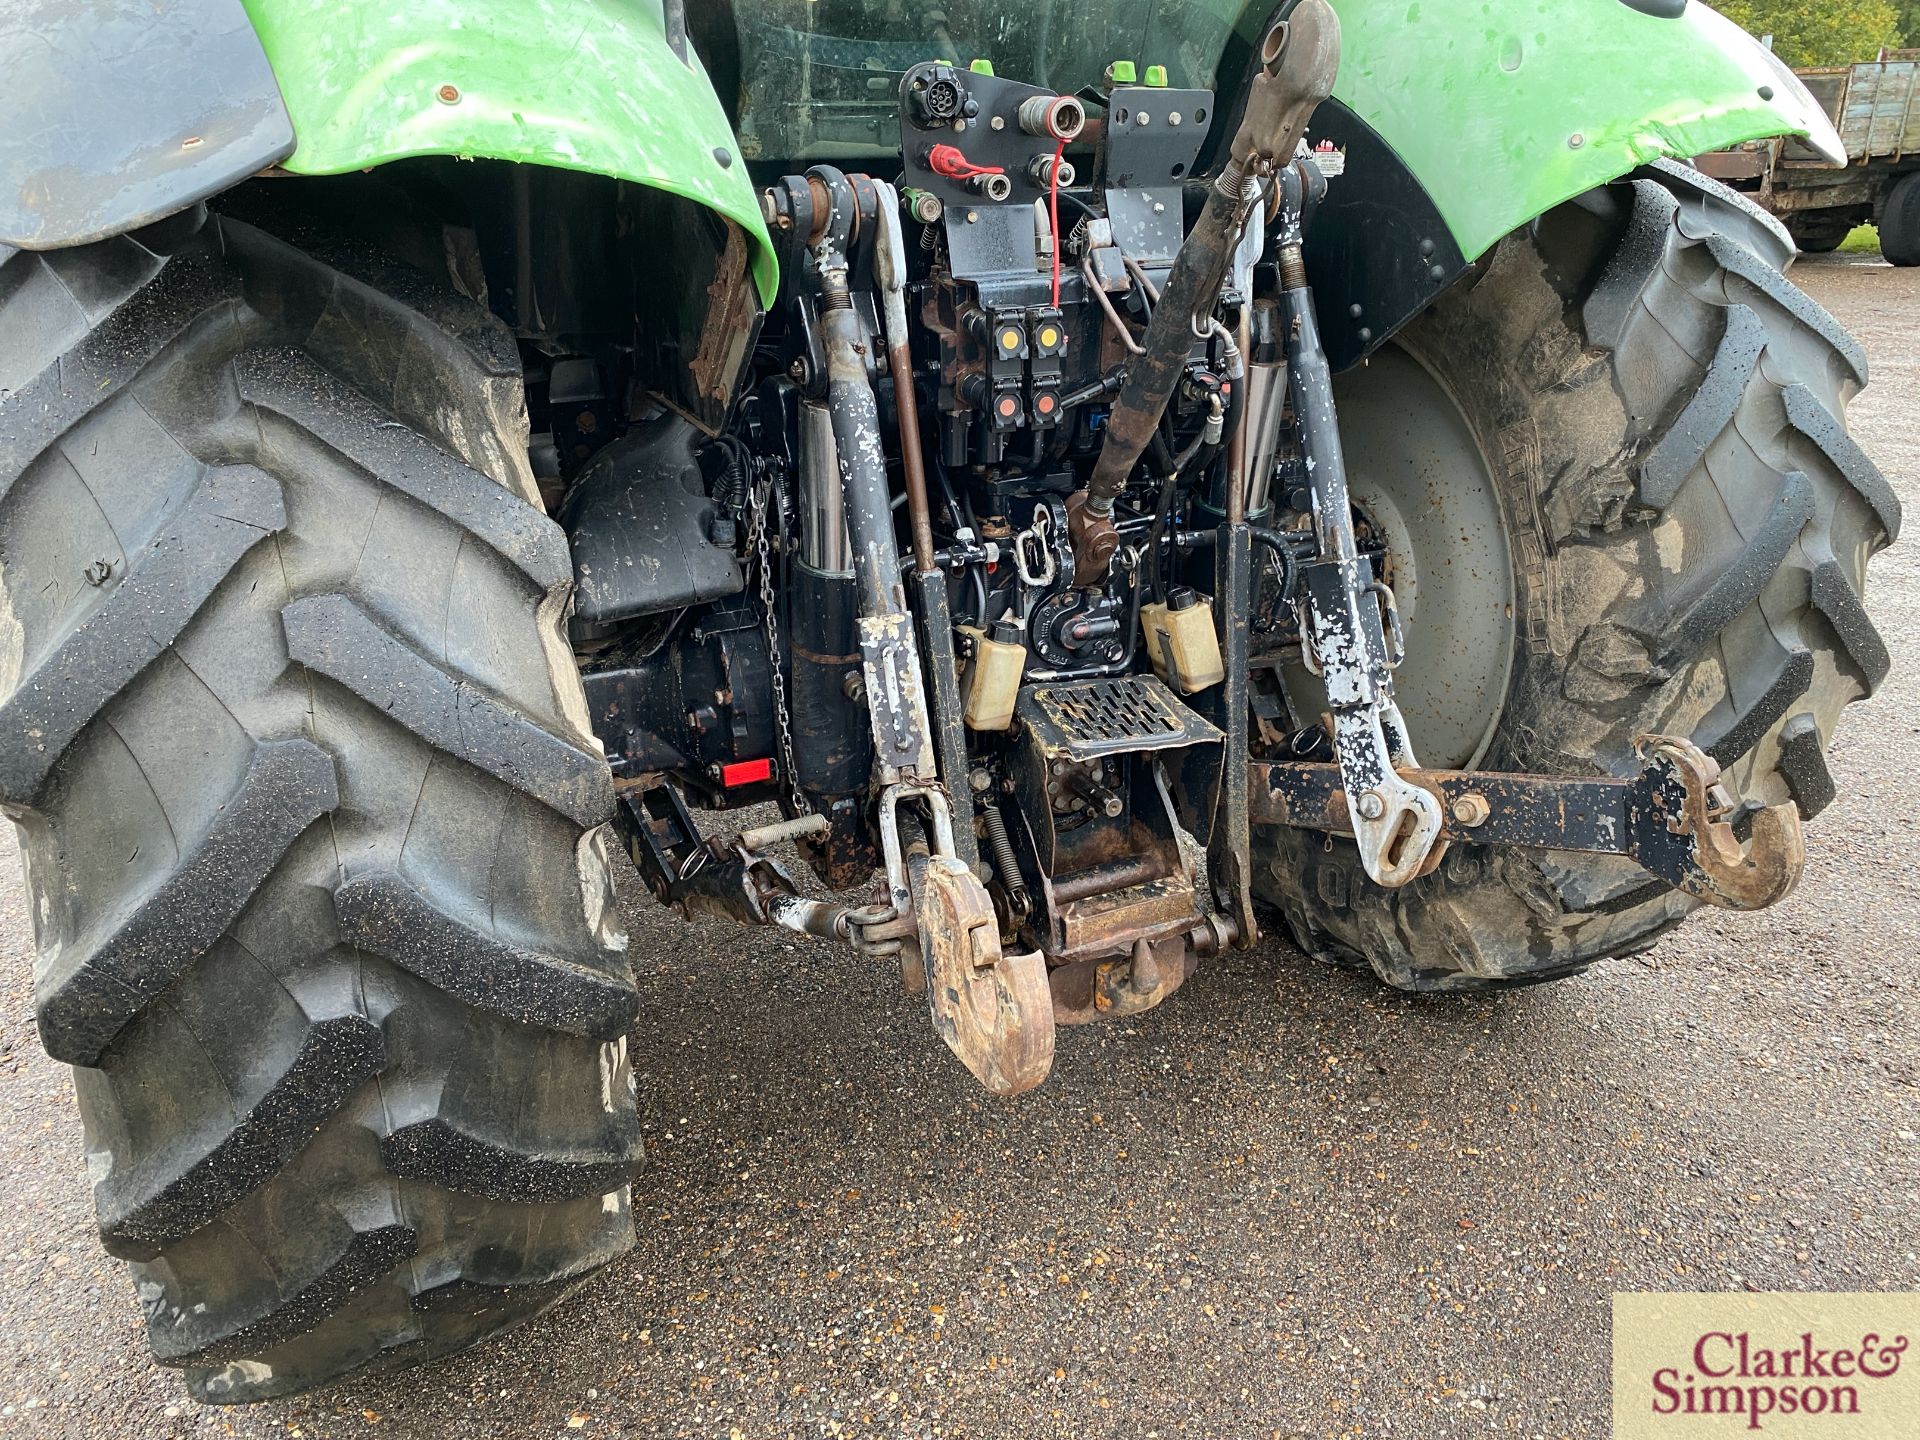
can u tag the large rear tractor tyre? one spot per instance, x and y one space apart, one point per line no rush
1661 413
310 808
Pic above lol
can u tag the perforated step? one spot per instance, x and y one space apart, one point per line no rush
1088 719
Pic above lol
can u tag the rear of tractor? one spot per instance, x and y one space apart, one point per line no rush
1091 473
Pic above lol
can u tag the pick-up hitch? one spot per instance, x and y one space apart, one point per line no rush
1670 819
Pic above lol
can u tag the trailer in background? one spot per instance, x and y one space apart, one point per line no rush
1876 108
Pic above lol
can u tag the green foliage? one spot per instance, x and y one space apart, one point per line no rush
1824 32
1863 241
1910 22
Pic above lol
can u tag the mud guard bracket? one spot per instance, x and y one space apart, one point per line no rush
1669 818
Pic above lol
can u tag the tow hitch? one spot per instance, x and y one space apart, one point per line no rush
1670 819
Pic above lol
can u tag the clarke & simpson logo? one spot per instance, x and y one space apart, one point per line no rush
1784 1365
1735 1375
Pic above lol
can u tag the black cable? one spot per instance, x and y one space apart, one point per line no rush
1069 198
1277 542
1160 450
954 512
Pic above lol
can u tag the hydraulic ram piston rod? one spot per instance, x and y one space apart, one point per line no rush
896 691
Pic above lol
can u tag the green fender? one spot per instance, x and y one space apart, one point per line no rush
1464 120
1505 110
580 84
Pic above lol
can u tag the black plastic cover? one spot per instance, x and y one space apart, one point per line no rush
117 113
1378 250
639 521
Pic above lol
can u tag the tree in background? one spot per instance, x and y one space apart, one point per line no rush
1826 32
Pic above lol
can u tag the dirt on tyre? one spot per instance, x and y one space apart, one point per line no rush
1662 414
310 806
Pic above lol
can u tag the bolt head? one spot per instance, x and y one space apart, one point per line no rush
1471 810
1372 805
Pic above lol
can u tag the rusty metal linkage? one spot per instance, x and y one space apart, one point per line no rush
890 263
1349 624
1669 818
729 876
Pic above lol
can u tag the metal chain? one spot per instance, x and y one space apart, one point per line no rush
782 723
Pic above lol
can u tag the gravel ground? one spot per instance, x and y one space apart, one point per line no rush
1287 1204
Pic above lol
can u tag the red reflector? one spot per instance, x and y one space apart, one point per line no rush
746 772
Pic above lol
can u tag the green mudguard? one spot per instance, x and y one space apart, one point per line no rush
594 85
1505 110
1462 121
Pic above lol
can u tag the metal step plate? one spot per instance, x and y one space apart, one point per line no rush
1090 719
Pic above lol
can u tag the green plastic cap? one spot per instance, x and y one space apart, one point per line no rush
981 67
1121 72
1157 76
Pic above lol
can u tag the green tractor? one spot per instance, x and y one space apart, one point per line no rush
1102 479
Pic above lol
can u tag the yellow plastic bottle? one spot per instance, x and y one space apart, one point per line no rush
992 680
1181 641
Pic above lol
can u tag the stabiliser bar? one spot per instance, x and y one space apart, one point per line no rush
1667 819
